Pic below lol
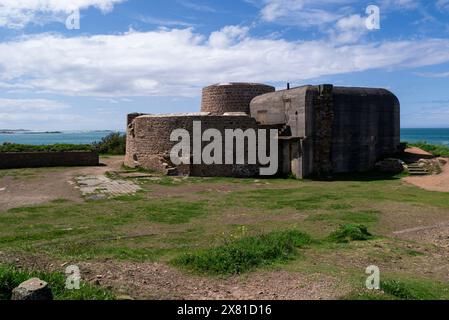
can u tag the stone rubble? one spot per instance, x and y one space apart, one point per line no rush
32 289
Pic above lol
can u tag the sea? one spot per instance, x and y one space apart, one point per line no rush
45 138
432 136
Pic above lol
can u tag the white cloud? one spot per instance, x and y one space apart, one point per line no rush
319 12
302 13
228 36
30 105
197 6
17 14
165 22
179 62
443 5
433 74
350 29
401 4
18 112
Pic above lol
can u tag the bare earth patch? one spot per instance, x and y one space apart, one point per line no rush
439 182
413 236
47 184
158 281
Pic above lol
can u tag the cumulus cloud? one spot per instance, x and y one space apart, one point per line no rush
342 19
178 62
16 14
350 29
303 13
29 105
228 36
15 112
308 13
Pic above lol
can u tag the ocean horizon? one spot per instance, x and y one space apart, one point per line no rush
53 137
430 135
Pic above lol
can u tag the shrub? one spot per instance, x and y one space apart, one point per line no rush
11 277
113 144
350 232
245 254
12 147
436 150
398 289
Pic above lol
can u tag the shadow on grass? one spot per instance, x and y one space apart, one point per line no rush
360 176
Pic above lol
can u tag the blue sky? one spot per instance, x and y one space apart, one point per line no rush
155 56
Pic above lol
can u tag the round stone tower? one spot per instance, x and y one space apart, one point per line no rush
223 98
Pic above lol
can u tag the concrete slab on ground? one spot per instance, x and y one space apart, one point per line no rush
99 186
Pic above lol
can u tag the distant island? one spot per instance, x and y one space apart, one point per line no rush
23 131
43 132
13 131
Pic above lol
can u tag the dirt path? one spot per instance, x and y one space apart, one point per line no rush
438 182
159 281
47 184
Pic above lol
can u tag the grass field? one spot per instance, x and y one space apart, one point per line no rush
222 227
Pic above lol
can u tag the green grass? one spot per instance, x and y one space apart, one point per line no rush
11 277
436 150
245 254
12 147
362 216
404 288
350 232
112 144
198 226
174 212
415 289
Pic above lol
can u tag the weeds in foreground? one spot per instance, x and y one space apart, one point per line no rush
246 254
350 232
11 277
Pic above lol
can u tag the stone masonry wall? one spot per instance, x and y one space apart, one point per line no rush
13 160
151 146
233 97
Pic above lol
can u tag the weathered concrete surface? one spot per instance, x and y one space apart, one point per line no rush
366 128
323 129
340 129
100 186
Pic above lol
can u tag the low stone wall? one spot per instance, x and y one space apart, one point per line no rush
14 160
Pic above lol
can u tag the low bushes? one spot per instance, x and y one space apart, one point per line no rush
12 147
245 254
436 150
112 144
350 232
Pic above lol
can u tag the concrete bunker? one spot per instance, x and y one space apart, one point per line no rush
322 129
